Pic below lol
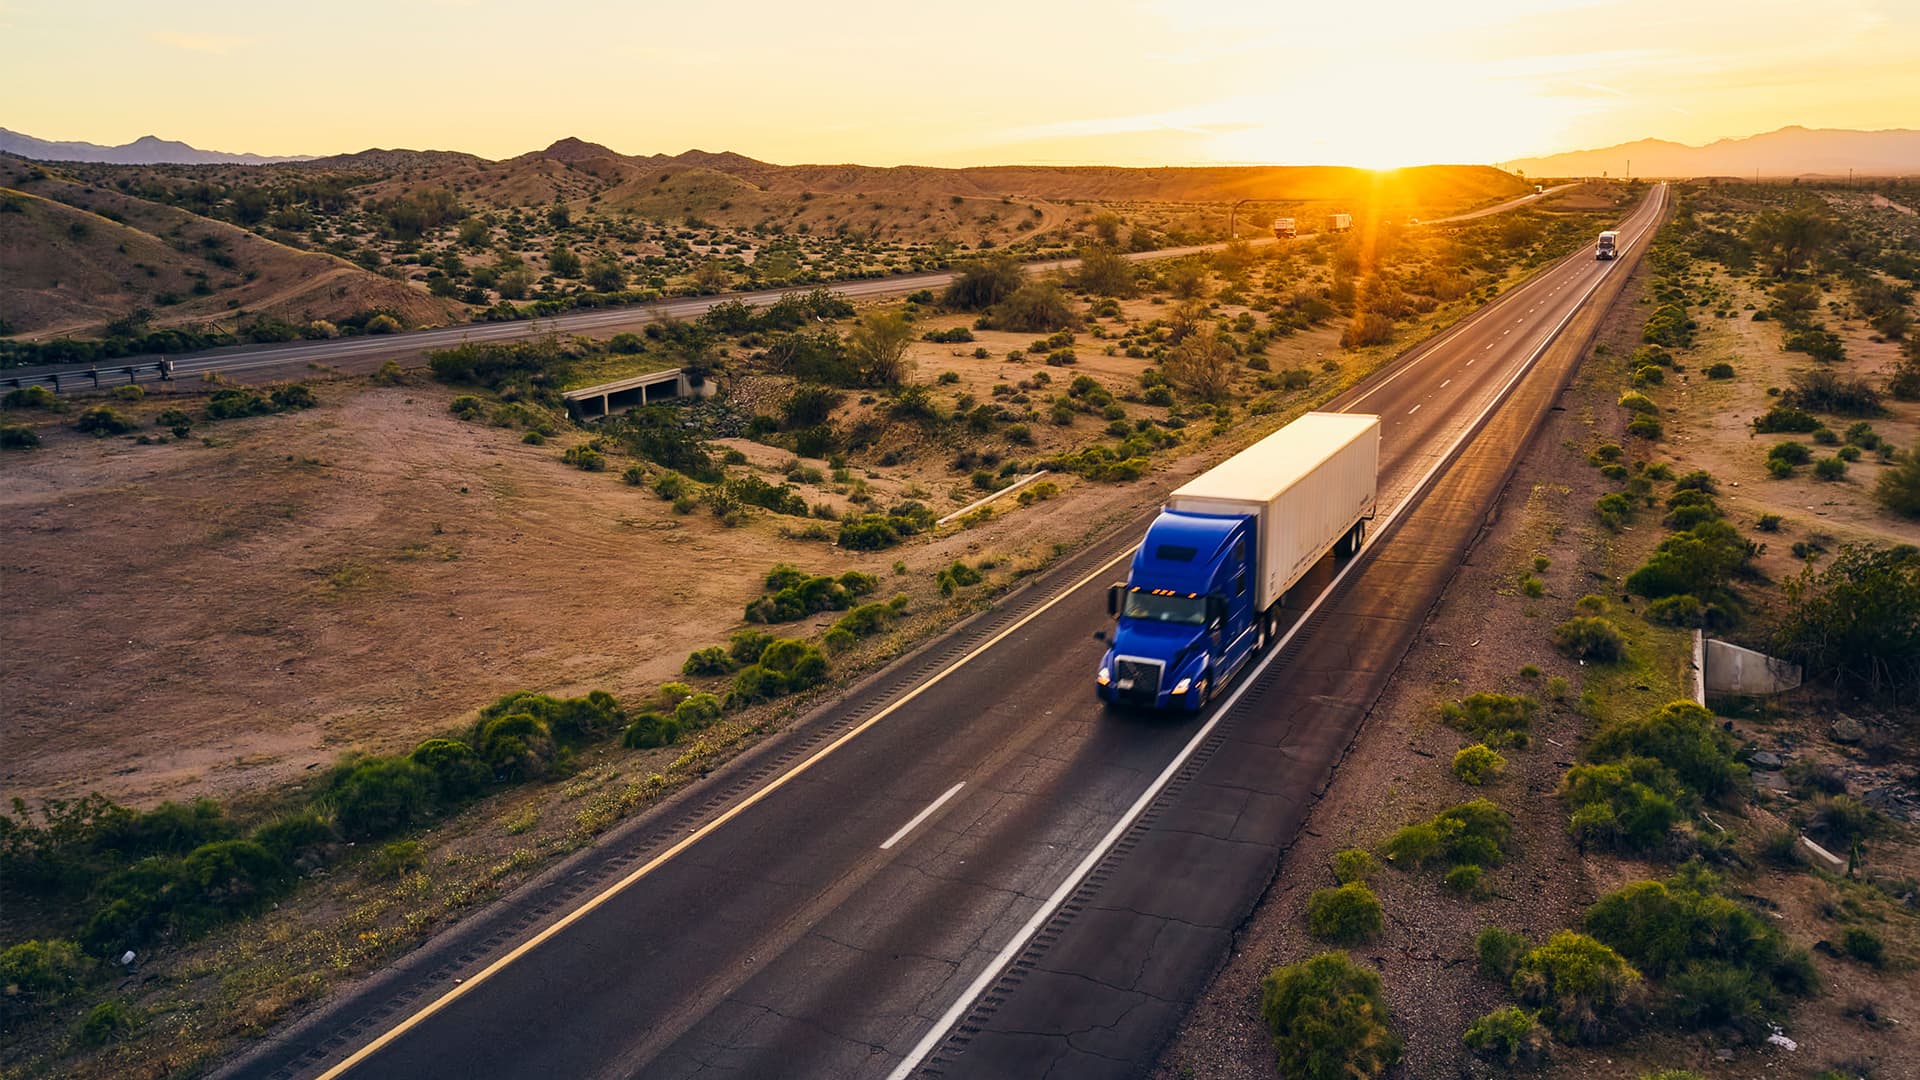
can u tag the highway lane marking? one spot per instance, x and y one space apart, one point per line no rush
923 815
462 989
1446 384
1033 925
1415 409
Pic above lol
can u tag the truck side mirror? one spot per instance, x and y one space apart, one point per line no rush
1113 599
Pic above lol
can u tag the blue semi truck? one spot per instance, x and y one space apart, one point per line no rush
1203 597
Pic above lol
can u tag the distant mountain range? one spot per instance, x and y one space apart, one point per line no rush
1790 151
145 150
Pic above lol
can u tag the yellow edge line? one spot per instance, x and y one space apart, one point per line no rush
694 837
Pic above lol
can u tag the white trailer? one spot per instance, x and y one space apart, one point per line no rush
1285 228
1339 222
1311 487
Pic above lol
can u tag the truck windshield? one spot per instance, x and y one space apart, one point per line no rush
1191 610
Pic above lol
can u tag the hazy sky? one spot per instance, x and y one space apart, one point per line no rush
1144 82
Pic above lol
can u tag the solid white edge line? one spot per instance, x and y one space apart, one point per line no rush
998 965
462 989
922 815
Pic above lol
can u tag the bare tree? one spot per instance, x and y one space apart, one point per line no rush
879 346
1202 365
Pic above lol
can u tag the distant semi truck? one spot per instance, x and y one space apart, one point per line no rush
1203 596
1339 222
1609 245
1285 228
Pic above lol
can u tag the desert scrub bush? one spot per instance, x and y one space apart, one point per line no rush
1645 426
378 796
1785 419
456 771
1614 510
1478 764
696 711
31 397
957 576
1472 832
650 729
391 860
1494 719
1720 963
1584 990
585 457
1856 622
1829 468
1863 945
1638 403
795 594
517 746
17 437
1468 880
869 619
1345 914
40 973
1590 637
1721 370
1328 1019
712 660
1354 864
101 421
1683 737
1497 952
1509 1036
785 666
1699 562
1627 805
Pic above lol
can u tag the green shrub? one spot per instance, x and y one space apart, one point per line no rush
1684 611
1721 370
1626 806
1635 402
1466 880
1698 562
1644 426
957 576
1328 1019
101 421
1354 864
568 720
1829 468
1495 719
31 397
1789 451
870 532
1509 1036
108 1021
458 773
380 795
1344 914
38 973
1679 735
712 660
1863 945
1472 832
1478 764
1499 952
300 838
228 876
1720 961
585 458
696 711
1585 991
650 729
517 746
1589 637
16 437
867 619
1783 419
745 646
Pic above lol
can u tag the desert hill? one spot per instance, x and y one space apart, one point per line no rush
146 150
1790 151
74 256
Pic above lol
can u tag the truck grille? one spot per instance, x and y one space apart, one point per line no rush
1136 682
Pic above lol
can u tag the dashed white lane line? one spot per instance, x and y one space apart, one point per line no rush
922 815
1413 410
1443 385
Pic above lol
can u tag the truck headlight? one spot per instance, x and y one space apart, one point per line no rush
1182 686
1104 677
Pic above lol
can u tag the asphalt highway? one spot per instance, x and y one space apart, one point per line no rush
965 867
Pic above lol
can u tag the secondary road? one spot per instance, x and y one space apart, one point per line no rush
361 355
1499 208
966 867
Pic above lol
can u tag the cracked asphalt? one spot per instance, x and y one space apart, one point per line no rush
786 942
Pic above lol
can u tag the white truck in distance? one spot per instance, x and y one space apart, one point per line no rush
1285 228
1609 245
1339 222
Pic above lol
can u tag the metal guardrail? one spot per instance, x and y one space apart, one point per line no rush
93 378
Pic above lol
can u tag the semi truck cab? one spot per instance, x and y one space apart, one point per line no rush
1187 617
1608 246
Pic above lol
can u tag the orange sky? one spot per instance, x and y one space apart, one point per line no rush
1363 82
